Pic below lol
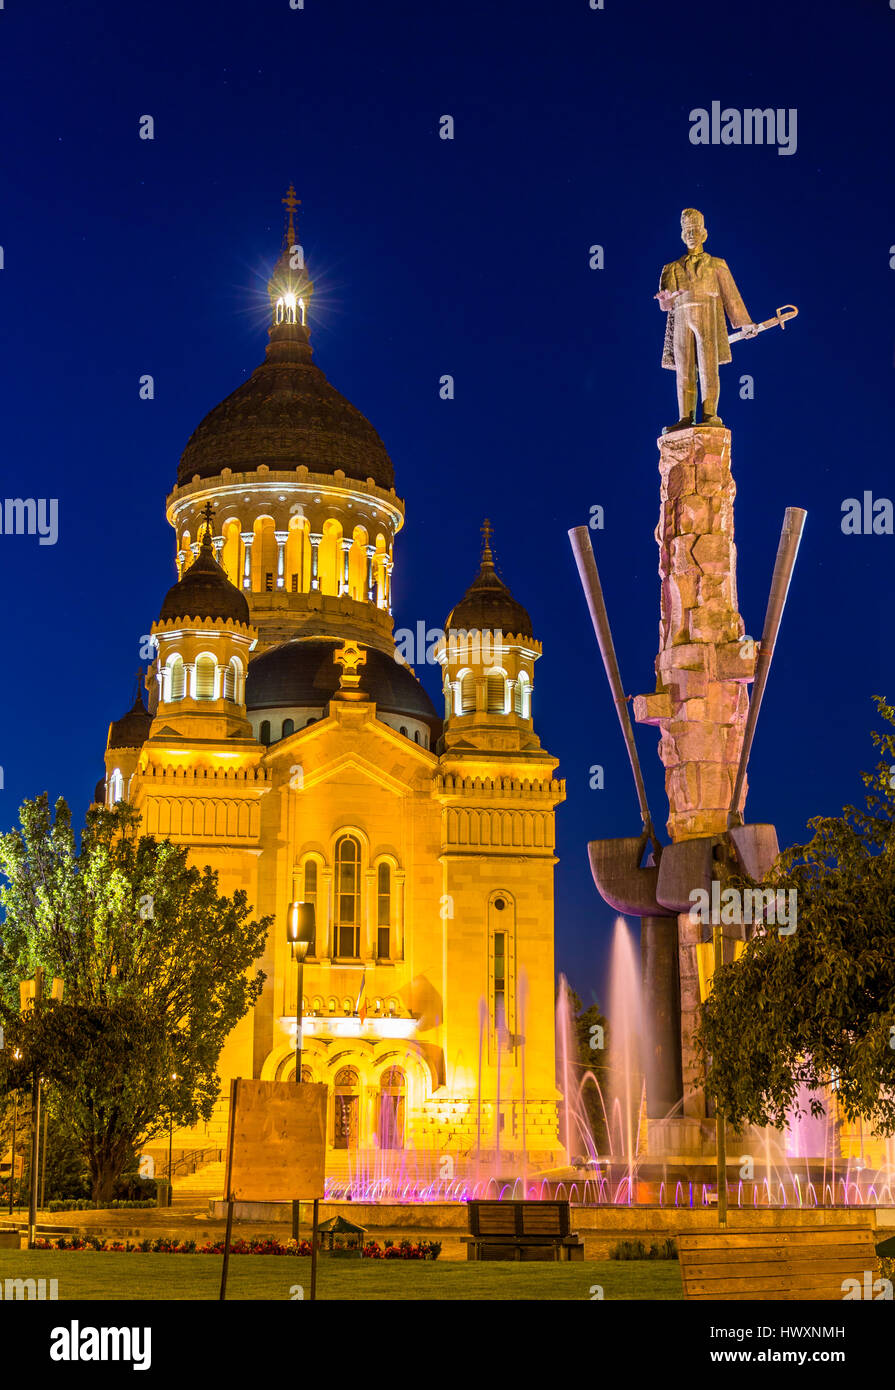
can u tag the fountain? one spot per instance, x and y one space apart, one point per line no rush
797 1167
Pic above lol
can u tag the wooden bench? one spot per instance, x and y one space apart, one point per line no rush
779 1263
521 1231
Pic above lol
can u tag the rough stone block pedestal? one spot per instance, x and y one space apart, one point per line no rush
703 666
702 669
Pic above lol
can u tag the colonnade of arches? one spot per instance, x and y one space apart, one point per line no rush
492 692
202 679
299 559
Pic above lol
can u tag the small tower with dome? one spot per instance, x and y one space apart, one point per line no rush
203 636
487 657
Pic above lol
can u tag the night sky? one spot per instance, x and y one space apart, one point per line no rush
469 257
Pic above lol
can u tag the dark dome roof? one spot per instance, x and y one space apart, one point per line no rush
285 415
99 792
302 674
204 591
132 729
488 605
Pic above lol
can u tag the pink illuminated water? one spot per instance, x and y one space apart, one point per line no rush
797 1167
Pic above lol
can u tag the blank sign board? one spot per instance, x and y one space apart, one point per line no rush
277 1140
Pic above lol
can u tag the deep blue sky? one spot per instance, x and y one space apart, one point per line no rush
471 258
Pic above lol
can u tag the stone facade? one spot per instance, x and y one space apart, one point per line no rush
425 845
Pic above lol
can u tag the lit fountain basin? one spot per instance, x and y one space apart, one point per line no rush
623 1190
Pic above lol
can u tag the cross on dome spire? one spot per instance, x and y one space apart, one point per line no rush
290 202
487 532
290 289
207 515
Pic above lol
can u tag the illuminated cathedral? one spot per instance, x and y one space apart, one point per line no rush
289 745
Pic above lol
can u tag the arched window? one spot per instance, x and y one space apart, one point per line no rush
403 730
205 672
522 696
502 972
383 911
329 558
231 551
116 787
176 678
467 694
348 888
357 564
309 891
392 1095
288 727
264 732
231 681
496 693
312 720
416 735
345 1103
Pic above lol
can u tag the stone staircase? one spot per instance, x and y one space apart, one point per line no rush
205 1185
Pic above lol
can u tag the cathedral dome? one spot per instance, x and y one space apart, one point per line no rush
204 591
287 413
488 605
302 674
132 729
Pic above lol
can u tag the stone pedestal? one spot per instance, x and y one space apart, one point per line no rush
661 1042
703 666
702 670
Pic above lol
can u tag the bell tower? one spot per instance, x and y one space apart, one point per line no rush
487 657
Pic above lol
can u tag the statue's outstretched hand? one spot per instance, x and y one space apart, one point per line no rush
666 298
749 330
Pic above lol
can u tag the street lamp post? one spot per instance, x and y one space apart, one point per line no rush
300 930
301 926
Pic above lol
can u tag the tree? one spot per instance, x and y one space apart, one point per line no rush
156 968
817 1006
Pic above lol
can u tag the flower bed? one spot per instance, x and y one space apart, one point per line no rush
261 1245
85 1204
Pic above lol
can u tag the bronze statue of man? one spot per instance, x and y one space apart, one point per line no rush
695 292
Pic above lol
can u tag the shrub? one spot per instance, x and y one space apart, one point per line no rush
636 1250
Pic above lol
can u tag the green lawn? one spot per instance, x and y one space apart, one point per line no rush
87 1274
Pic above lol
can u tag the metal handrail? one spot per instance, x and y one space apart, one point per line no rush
194 1159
